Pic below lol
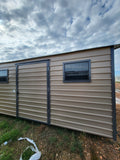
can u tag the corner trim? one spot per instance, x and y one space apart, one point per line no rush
48 92
17 110
113 95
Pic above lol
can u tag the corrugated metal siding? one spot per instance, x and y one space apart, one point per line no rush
32 80
83 106
7 91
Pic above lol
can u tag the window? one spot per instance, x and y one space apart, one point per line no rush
78 71
4 76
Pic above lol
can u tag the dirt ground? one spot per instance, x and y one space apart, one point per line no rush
117 86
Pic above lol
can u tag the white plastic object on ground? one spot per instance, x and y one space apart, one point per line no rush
117 100
117 90
4 144
37 154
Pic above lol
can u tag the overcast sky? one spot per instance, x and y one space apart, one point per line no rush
30 28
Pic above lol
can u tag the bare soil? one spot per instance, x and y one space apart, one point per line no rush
117 86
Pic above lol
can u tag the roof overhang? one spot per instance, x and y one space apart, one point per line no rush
116 46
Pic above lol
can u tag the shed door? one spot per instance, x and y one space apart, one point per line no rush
33 91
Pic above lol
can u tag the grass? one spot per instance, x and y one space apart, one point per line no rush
4 125
6 153
77 146
59 131
66 139
10 130
51 141
27 154
10 135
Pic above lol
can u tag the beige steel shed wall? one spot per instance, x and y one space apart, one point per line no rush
81 106
8 91
33 91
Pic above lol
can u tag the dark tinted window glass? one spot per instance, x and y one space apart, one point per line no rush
77 71
4 76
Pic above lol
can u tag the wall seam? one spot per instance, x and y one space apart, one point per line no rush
113 95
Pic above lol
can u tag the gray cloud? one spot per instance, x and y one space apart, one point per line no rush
35 27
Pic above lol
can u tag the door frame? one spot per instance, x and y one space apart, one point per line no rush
48 87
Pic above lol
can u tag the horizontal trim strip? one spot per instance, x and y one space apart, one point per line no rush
82 130
80 107
38 98
27 85
31 76
80 118
8 99
89 108
32 102
76 90
66 84
7 102
8 95
81 84
39 103
35 120
37 89
31 110
29 67
8 87
7 92
11 107
95 79
7 110
68 100
9 84
32 93
32 115
32 80
90 114
96 67
26 70
91 126
8 113
32 106
84 96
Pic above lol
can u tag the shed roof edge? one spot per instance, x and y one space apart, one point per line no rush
116 46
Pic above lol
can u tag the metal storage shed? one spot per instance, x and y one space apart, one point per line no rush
75 90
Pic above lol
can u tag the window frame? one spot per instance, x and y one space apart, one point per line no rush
4 76
80 61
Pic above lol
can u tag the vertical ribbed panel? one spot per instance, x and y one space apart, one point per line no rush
8 91
32 88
